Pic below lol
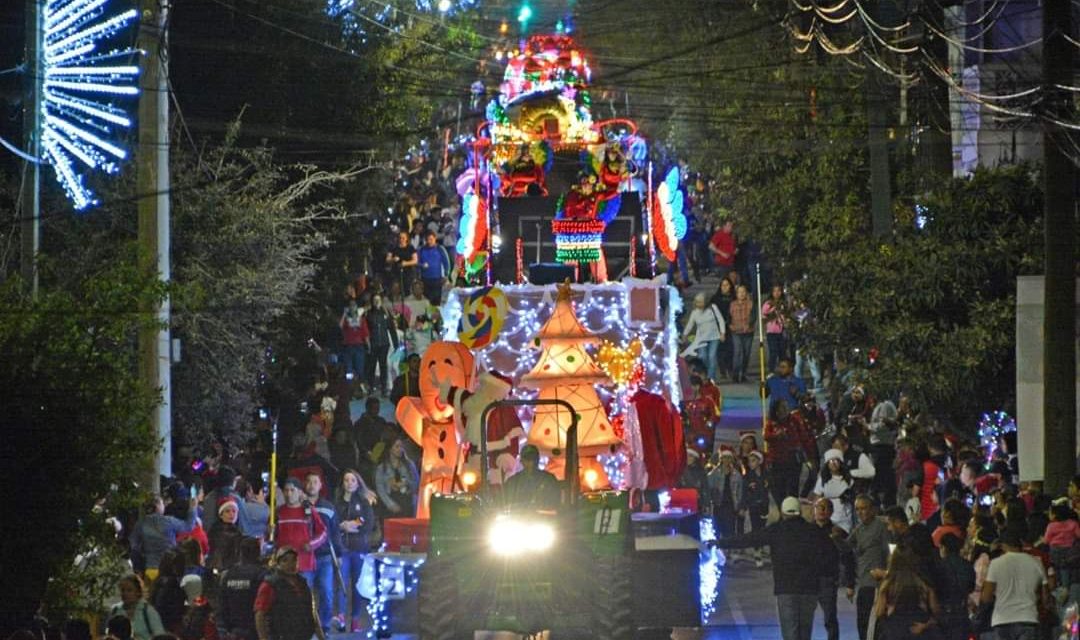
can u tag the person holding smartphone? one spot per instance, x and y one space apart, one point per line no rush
356 519
155 533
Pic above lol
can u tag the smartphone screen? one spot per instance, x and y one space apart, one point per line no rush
194 492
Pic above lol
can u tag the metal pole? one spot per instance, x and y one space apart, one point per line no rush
152 182
648 223
761 351
273 477
30 213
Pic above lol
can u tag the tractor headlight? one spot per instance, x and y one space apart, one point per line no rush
509 536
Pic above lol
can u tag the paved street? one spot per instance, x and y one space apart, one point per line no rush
745 610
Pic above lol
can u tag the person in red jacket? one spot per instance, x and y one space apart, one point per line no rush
791 446
300 527
722 246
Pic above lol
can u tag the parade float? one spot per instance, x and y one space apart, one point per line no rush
548 181
584 371
586 374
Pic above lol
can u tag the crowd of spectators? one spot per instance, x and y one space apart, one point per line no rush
929 532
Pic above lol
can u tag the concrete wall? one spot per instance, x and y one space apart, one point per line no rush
1029 375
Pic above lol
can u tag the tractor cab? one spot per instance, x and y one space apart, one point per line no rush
495 565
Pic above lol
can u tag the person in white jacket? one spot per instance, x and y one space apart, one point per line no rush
706 323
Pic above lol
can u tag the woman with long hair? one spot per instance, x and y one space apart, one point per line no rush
145 621
835 483
906 606
167 596
979 550
774 311
722 299
747 442
356 518
741 330
397 482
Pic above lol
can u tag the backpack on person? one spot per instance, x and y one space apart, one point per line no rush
198 622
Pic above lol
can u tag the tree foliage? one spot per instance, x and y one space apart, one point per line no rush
251 232
76 422
783 138
938 302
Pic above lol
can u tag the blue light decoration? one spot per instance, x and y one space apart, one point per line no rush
992 426
710 565
80 115
394 577
615 466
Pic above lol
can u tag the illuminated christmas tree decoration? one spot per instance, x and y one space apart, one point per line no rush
80 120
566 371
604 310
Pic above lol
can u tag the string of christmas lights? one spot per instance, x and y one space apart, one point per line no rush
396 576
603 309
710 567
578 240
992 426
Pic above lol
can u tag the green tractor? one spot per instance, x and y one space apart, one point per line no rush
569 571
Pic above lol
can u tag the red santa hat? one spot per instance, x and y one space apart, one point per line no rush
757 454
227 501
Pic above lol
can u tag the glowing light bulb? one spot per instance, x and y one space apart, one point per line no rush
591 476
468 478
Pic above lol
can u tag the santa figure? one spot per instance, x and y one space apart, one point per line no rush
503 431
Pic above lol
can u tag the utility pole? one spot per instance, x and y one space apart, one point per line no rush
152 188
877 112
30 213
878 116
1059 211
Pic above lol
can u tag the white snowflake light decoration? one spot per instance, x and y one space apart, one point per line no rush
80 117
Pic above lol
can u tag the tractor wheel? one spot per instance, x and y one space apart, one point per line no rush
614 618
437 601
